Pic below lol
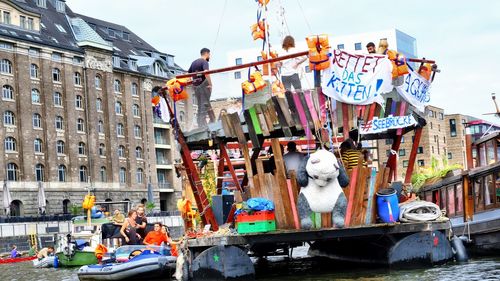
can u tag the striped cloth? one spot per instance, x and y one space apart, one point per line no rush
350 158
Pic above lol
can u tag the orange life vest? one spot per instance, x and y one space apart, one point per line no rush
264 1
88 202
426 71
319 55
177 89
399 66
273 66
155 100
258 30
254 83
100 250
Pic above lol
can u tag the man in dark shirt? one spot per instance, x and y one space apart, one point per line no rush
202 88
141 221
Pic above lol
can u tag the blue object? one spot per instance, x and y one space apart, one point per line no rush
387 205
260 204
56 262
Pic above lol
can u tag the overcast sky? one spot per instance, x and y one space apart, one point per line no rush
462 36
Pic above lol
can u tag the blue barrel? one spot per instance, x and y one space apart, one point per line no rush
387 205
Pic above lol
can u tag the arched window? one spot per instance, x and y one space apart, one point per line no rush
81 148
100 127
12 172
120 131
83 174
122 175
138 152
78 101
37 120
139 175
135 110
7 92
5 66
35 96
118 108
134 89
56 75
9 118
137 131
60 147
66 206
39 172
117 85
98 104
102 149
103 175
38 145
16 208
80 125
10 144
58 99
34 71
59 123
78 78
61 173
121 151
98 81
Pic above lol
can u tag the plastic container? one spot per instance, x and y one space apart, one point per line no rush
387 205
255 216
257 226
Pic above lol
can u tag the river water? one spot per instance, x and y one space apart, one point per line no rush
305 270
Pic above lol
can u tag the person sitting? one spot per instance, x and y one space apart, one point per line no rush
14 253
96 213
350 155
173 244
156 236
118 217
45 252
292 158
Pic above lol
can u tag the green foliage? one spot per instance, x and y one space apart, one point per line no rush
76 209
209 181
435 172
150 206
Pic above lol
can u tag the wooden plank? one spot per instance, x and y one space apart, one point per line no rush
388 106
255 120
262 121
261 178
293 204
273 114
302 115
267 117
358 195
293 110
236 125
371 197
322 104
326 220
468 196
279 210
295 184
234 122
413 155
402 111
350 201
270 186
345 120
251 130
312 110
281 118
228 132
350 116
255 191
310 121
286 111
280 176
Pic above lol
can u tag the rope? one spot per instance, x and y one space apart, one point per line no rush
418 211
220 23
305 18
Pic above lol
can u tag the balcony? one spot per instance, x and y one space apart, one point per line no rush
158 123
163 164
165 187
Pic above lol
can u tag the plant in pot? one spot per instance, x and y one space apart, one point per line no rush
150 207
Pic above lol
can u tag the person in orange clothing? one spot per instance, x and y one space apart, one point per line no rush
156 237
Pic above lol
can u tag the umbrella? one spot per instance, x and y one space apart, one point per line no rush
150 193
41 198
7 198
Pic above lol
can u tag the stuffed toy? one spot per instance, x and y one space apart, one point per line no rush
318 175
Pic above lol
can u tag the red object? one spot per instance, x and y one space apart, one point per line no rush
14 260
352 190
256 216
436 241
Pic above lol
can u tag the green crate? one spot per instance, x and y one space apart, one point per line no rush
256 226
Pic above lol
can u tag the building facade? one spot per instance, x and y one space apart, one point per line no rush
76 108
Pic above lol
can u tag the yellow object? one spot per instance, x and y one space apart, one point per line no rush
254 84
264 1
426 71
273 66
177 88
278 88
88 202
100 250
319 56
399 66
258 30
187 213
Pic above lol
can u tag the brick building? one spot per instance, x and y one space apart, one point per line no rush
76 108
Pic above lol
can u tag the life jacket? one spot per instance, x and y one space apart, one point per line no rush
88 201
278 88
254 83
100 250
399 66
262 2
155 100
273 66
426 71
258 30
319 55
177 89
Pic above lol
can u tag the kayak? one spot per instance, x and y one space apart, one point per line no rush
45 262
20 259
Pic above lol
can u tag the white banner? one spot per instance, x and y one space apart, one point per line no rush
415 90
357 79
391 122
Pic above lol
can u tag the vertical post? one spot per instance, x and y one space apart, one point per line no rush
392 161
413 154
468 150
220 174
468 198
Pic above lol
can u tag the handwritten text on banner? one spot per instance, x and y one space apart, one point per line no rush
391 122
415 90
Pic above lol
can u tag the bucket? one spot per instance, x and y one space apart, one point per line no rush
387 205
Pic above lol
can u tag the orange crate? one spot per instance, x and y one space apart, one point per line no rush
256 216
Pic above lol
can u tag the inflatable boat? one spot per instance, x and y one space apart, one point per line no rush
45 262
147 265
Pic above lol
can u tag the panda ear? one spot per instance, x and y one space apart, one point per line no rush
302 176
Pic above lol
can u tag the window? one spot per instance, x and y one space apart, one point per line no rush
60 147
259 58
453 128
441 116
420 150
78 78
6 46
80 125
6 66
439 127
132 64
81 148
432 149
100 127
7 92
83 174
405 163
12 172
79 101
6 17
117 86
388 141
98 104
444 139
77 60
121 151
134 90
37 120
402 152
135 110
340 46
137 131
237 75
41 3
421 163
357 46
39 172
56 56
158 69
56 75
60 6
120 130
126 36
431 113
402 139
34 71
31 24
60 28
138 152
10 144
22 21
122 175
59 123
9 119
431 125
57 99
139 175
61 173
97 81
102 174
239 61
102 149
35 96
38 145
118 108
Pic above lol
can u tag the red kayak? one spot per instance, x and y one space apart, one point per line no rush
13 260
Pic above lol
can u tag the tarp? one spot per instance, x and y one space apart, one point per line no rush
42 200
7 198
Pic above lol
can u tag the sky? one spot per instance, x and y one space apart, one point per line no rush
462 36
